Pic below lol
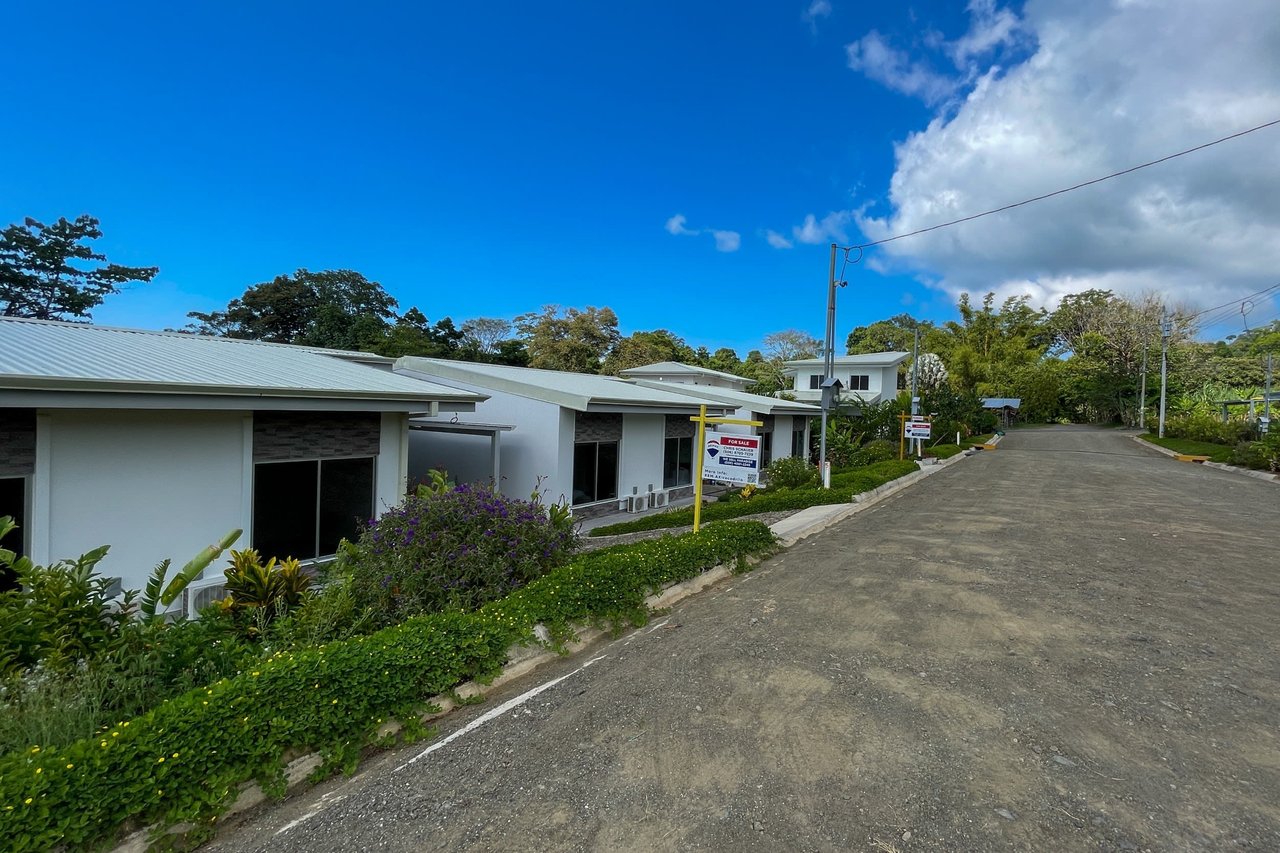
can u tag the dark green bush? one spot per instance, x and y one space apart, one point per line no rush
791 472
457 549
184 760
1261 455
844 486
879 450
1210 429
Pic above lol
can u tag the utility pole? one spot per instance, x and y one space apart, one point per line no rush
1142 394
915 380
1165 333
828 366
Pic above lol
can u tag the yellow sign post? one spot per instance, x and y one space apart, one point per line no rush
702 420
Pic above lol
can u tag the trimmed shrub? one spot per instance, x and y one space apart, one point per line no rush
880 450
1261 455
792 472
1210 429
458 549
184 760
843 487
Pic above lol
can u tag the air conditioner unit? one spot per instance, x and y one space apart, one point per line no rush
637 503
198 599
658 499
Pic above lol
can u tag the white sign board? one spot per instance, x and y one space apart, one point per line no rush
917 429
731 458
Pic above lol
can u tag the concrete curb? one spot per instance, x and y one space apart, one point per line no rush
1264 476
521 661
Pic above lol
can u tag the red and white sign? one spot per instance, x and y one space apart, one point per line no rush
731 458
917 429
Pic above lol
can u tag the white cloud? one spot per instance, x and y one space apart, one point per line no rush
831 228
1107 86
876 58
727 241
817 9
675 225
777 241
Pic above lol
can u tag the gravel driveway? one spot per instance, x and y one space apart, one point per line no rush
1067 644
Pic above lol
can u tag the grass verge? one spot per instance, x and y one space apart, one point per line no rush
1215 452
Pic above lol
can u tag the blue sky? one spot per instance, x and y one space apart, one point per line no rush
485 161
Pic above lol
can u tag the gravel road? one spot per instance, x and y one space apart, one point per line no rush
1068 643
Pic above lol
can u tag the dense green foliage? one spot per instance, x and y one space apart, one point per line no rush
791 472
459 548
844 485
184 759
49 272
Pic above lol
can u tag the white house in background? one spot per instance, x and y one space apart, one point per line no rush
786 423
600 442
868 378
688 374
157 443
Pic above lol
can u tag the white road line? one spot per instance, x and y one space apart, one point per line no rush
496 712
320 806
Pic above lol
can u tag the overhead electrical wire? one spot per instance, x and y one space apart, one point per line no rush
1088 183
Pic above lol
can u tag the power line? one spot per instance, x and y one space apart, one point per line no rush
1230 309
1065 190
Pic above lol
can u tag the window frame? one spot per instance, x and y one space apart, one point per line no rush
863 385
617 467
665 450
318 461
815 382
24 528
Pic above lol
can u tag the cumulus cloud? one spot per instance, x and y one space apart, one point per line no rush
726 241
1106 86
777 241
875 57
831 228
817 9
675 225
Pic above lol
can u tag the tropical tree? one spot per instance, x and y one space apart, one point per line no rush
576 340
641 348
50 272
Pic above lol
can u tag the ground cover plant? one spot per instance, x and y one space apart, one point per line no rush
1215 452
845 483
184 759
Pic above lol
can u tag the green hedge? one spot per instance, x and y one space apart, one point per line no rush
844 485
185 760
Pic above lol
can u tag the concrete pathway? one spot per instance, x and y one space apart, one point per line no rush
1067 643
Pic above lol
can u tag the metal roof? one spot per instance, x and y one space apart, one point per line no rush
675 368
1001 402
740 399
884 359
44 355
578 391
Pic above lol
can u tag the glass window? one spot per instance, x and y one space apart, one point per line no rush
13 502
595 471
797 444
677 462
859 383
815 382
766 449
303 509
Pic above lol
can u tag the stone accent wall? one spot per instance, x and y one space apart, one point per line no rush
17 442
592 426
285 436
679 426
767 420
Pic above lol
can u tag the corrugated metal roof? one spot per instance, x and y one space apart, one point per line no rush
740 399
46 355
1002 402
577 391
675 368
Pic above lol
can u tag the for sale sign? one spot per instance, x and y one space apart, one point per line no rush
731 458
916 429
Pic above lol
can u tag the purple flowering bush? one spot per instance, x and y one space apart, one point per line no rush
454 550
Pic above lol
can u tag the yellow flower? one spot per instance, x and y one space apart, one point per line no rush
160 760
34 750
175 755
115 734
27 801
334 702
69 766
103 744
39 770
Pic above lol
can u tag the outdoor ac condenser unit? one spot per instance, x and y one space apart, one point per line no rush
658 499
637 503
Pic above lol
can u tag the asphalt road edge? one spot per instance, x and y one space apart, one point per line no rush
1264 476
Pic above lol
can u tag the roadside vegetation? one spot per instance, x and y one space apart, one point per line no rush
114 717
1234 442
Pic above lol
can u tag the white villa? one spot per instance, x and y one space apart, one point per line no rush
786 423
601 443
158 443
868 378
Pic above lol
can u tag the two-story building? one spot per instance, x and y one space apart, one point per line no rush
868 378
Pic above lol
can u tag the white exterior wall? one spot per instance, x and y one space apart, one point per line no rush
390 479
640 454
880 380
151 484
531 450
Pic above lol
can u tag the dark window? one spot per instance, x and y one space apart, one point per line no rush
595 471
815 382
797 444
859 383
13 502
766 449
303 509
677 462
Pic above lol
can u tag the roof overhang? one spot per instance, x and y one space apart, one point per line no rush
43 399
459 427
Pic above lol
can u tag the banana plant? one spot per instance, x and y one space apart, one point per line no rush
153 597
